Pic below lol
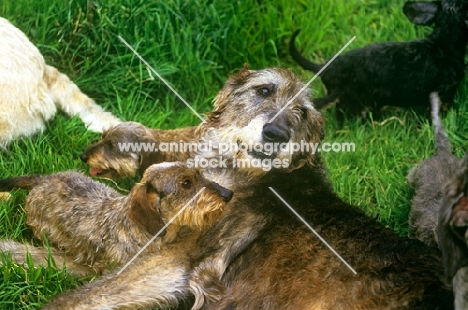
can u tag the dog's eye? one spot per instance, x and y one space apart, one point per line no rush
265 90
186 183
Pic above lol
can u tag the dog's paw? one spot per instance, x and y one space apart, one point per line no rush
205 284
5 196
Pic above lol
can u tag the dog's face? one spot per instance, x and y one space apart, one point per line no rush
453 221
168 188
439 13
116 155
455 202
264 116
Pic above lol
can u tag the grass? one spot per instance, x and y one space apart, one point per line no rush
195 45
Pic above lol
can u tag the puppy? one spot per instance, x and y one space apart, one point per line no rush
399 73
93 225
130 147
453 233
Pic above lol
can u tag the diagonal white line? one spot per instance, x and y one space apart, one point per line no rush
160 231
315 76
160 77
313 230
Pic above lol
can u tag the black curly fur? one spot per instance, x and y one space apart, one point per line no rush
399 73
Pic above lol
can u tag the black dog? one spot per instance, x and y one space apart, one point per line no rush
399 73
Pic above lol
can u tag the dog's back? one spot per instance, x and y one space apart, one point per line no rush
288 267
399 73
70 210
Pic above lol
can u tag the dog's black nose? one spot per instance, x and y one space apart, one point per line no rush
275 133
223 192
226 194
84 157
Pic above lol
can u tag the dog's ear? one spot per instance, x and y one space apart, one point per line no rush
147 159
236 79
239 77
144 208
422 13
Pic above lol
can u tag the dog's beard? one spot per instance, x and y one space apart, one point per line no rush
245 148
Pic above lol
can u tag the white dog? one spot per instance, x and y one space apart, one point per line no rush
31 91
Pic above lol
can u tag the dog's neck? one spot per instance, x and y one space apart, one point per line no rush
308 177
234 179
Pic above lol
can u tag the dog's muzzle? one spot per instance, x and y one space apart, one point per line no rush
275 133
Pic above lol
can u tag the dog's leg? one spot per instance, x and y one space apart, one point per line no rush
154 280
43 257
69 98
222 243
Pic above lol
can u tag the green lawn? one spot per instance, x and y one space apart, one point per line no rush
195 45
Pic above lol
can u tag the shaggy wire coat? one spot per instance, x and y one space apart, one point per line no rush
131 147
453 233
91 225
